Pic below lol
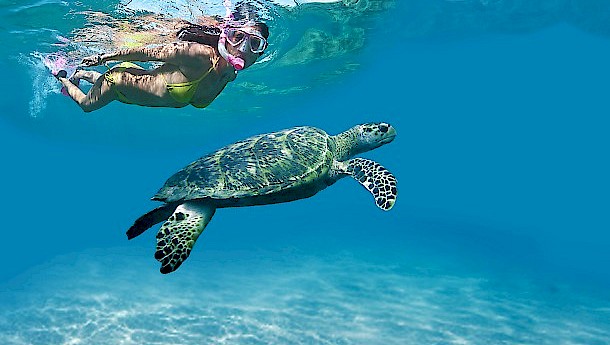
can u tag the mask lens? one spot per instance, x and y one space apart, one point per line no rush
235 37
257 44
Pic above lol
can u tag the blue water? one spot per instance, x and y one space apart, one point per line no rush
500 233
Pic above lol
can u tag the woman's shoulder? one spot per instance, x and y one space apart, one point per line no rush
191 49
196 48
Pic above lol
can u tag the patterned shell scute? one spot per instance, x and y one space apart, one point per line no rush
255 166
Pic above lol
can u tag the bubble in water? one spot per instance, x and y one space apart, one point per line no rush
41 68
55 62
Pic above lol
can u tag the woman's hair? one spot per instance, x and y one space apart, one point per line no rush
203 34
263 28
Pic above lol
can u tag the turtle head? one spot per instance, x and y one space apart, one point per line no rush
372 135
363 138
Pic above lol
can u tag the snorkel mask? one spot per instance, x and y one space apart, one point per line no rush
237 37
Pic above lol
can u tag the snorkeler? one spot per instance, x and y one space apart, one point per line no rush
193 71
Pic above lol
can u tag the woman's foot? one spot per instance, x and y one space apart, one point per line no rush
61 74
73 79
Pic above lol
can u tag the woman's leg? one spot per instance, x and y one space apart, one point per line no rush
89 76
99 95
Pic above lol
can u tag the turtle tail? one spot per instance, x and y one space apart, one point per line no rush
151 218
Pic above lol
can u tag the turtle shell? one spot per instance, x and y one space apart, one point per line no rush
257 166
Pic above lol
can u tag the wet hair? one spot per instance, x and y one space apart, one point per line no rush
263 28
203 34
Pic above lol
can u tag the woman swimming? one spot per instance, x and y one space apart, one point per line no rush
193 71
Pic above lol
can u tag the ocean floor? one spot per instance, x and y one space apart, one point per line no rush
94 298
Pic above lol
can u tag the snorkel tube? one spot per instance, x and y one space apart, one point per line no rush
237 62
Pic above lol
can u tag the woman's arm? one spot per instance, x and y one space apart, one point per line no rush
160 53
175 53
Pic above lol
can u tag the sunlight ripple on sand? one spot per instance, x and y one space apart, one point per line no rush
306 302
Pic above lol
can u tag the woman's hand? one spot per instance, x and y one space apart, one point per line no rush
92 60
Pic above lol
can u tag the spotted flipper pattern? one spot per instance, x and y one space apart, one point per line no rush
377 179
178 234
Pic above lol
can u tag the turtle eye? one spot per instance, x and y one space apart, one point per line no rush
383 128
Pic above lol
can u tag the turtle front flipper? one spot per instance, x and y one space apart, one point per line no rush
178 234
377 179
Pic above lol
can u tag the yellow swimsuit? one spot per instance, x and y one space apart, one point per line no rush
180 92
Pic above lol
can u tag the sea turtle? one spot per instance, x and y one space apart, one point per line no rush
288 165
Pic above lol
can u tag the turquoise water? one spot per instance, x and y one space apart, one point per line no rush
499 234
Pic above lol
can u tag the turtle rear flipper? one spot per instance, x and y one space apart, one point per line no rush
151 218
178 234
376 179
